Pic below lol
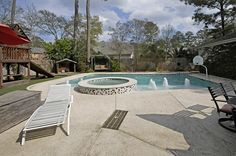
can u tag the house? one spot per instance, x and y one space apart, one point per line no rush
104 52
39 57
124 50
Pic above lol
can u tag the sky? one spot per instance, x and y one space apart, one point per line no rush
161 12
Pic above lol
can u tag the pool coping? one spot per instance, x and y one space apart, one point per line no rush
85 83
213 78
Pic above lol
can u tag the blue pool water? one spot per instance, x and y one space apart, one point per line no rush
175 81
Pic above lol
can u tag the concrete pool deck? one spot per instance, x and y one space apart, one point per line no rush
168 122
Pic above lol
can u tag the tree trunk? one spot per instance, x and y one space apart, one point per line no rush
13 11
76 20
88 29
119 59
136 53
222 16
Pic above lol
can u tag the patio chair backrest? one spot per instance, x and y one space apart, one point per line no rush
58 93
215 93
228 88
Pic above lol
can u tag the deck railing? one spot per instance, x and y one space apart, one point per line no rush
13 54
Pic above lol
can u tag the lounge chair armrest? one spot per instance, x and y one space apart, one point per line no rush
71 99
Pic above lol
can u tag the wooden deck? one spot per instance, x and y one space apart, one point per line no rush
16 107
13 55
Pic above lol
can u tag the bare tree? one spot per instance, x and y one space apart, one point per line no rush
167 33
50 24
30 14
119 36
151 31
136 30
10 13
5 11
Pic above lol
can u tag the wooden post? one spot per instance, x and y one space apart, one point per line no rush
28 65
109 64
94 63
1 66
74 67
57 67
18 68
8 71
28 70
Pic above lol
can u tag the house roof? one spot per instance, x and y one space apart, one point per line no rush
66 60
108 48
101 55
19 31
37 50
12 35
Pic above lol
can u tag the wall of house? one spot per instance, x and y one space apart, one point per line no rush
126 61
42 60
175 64
171 64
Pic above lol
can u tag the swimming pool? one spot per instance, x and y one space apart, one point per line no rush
156 81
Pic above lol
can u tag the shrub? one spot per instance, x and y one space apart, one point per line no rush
115 66
89 70
82 67
221 61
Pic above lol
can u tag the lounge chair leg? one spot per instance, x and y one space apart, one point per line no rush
23 138
68 123
68 126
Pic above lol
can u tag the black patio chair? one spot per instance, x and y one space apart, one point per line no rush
227 108
230 92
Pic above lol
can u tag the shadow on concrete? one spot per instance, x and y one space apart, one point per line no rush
201 91
204 135
197 107
39 133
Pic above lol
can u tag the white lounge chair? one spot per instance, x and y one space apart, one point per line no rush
53 112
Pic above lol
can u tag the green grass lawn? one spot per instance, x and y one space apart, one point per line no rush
24 86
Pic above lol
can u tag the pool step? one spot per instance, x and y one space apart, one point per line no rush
115 120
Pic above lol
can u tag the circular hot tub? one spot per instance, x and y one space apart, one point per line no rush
106 85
